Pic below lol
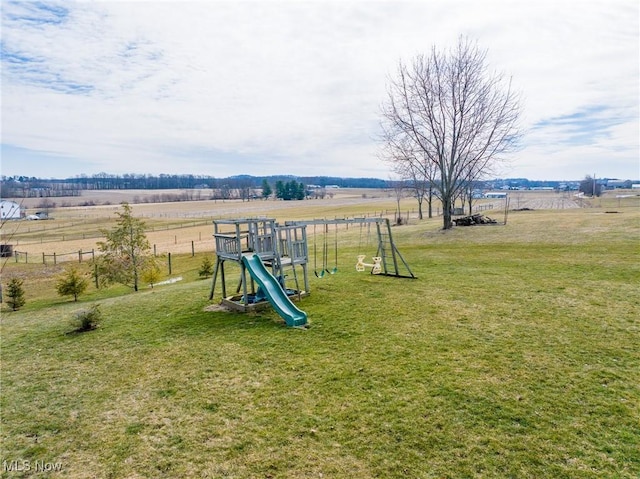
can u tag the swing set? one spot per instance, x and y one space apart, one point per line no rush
387 261
263 249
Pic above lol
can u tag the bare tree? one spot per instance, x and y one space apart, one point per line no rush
447 109
416 184
418 173
398 187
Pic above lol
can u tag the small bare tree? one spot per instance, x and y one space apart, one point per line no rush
447 109
417 184
418 173
398 187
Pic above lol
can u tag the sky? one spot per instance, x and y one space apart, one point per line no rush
222 88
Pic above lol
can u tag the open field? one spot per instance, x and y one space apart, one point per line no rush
514 354
106 198
172 227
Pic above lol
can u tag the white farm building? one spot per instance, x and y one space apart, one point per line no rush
495 194
9 210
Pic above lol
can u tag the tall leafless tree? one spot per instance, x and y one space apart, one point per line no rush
448 110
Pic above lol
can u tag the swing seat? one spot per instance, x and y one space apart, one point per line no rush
376 267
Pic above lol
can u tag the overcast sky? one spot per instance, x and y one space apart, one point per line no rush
295 87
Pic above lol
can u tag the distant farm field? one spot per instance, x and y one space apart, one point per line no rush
513 354
173 226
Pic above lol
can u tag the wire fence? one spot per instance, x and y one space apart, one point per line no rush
54 258
180 245
46 235
81 256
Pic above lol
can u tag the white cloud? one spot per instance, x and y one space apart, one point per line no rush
225 87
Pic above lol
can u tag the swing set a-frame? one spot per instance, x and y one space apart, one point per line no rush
387 261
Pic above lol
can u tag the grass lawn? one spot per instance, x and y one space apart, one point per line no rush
514 354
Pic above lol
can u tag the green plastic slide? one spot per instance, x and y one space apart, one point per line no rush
274 292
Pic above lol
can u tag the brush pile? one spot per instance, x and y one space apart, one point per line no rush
476 219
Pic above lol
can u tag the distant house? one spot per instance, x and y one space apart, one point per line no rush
614 183
9 210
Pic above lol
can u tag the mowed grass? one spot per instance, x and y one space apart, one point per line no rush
514 354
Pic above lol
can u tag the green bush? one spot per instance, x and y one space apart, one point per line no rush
206 268
151 273
71 283
15 293
87 319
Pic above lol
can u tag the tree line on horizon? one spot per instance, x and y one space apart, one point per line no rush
34 187
24 186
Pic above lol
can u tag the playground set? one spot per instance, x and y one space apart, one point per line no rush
267 250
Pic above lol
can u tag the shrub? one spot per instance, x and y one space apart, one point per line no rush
87 319
71 283
206 268
46 203
15 293
151 273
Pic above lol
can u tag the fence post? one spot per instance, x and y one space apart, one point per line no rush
43 260
154 250
193 250
54 259
169 260
95 275
80 256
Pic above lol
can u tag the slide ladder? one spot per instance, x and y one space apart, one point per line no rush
274 292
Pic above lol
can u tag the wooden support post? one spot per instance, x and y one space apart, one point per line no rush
213 281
